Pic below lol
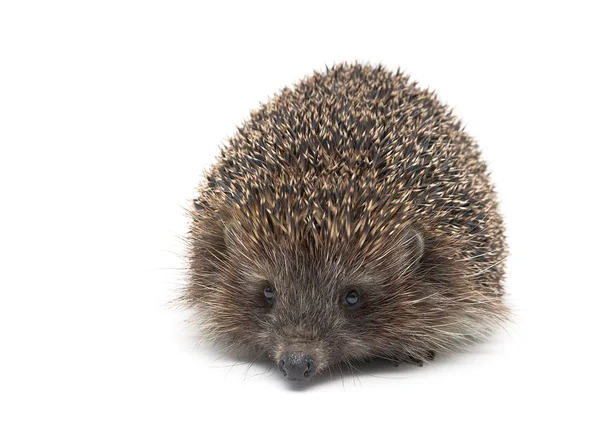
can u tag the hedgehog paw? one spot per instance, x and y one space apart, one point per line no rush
428 356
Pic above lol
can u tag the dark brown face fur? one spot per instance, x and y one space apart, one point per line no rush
355 181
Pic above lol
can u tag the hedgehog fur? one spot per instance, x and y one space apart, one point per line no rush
349 218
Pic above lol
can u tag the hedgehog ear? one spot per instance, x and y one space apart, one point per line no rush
412 245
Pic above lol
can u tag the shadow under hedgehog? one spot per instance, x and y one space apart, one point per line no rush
349 218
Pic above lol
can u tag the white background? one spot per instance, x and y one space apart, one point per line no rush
109 112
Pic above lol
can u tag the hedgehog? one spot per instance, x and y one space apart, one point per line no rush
349 218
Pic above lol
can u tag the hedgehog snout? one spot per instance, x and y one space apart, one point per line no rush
297 365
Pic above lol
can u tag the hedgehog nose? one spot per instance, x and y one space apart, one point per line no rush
297 366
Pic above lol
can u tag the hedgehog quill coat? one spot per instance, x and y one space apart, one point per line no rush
350 217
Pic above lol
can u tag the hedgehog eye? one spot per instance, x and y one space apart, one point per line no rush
269 293
352 298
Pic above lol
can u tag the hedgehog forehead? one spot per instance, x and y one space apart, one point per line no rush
295 250
313 230
299 268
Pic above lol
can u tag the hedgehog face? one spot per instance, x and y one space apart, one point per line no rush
308 309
